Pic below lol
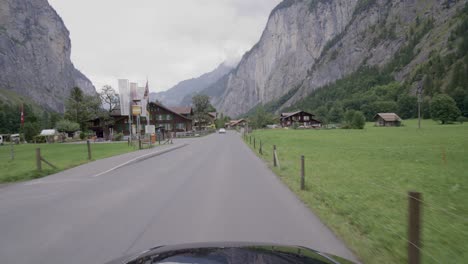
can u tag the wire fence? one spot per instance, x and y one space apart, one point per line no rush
381 210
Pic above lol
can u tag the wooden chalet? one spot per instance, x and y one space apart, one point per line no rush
162 117
387 119
172 121
301 118
237 123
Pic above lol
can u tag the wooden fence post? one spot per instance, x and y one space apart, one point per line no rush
302 173
12 151
260 148
255 146
129 141
89 149
38 159
274 156
250 140
414 227
139 143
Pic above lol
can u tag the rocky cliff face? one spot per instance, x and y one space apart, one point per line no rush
35 54
308 44
293 39
181 94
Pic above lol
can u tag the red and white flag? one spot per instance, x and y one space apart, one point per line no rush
22 115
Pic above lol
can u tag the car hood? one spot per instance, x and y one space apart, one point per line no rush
231 252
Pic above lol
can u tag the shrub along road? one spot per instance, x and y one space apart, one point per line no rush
214 189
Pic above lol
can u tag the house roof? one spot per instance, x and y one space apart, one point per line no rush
286 115
236 122
183 110
389 117
213 114
48 132
168 109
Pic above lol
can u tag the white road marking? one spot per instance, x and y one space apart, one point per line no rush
137 158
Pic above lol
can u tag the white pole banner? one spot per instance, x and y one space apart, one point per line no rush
124 94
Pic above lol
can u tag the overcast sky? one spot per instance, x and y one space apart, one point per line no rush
168 41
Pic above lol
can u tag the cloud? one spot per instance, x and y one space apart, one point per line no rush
166 41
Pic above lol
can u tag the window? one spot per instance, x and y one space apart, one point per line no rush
168 127
306 118
160 117
181 126
168 117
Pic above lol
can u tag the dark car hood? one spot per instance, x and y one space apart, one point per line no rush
231 252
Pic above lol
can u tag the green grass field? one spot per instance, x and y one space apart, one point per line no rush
357 182
63 156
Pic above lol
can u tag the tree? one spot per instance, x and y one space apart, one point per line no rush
202 107
45 120
261 118
67 126
81 108
444 108
30 130
336 114
407 106
109 98
321 114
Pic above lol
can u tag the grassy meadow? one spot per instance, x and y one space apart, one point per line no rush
63 156
357 183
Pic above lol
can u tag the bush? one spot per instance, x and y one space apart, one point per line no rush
40 139
67 126
354 120
82 135
462 119
359 120
118 137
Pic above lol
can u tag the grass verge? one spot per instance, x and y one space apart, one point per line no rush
63 156
357 183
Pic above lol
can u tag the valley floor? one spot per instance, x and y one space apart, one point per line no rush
357 181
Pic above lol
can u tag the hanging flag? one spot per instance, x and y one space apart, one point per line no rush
22 115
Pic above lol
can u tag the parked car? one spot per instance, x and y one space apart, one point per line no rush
222 131
1 140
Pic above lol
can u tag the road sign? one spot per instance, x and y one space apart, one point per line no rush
136 110
150 129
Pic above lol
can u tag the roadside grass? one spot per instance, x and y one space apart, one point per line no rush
63 156
357 183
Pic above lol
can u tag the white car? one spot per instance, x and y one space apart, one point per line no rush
222 131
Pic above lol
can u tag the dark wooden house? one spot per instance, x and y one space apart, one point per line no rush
300 118
172 121
387 119
161 116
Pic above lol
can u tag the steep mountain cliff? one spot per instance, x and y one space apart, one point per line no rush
181 94
309 44
35 54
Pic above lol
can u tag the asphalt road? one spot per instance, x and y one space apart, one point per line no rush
213 189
